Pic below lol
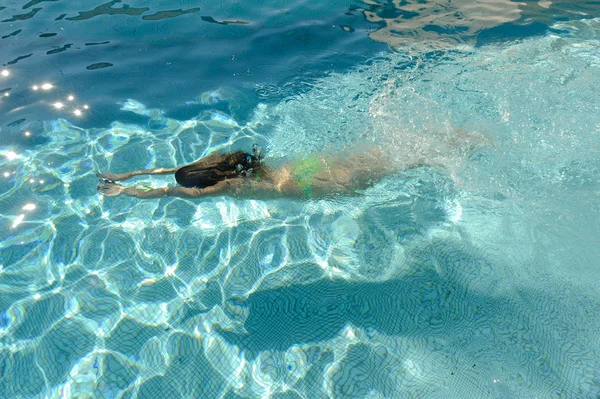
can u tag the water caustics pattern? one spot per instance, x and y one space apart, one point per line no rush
474 277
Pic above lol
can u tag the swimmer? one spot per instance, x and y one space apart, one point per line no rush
242 174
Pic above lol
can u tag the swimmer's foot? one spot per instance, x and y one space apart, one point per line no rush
109 188
114 176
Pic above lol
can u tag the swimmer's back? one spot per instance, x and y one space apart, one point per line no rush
323 174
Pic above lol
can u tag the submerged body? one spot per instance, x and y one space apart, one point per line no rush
315 175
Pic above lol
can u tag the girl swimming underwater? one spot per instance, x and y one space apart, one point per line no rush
247 175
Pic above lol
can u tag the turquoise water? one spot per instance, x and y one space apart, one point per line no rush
474 278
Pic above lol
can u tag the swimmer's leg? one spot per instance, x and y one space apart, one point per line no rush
129 175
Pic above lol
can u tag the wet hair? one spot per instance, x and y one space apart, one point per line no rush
217 167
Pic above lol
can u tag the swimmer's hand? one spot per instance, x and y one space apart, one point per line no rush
109 188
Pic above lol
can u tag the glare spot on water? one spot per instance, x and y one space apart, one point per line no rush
18 220
170 270
6 174
5 72
11 155
29 207
47 86
77 112
350 333
71 98
58 105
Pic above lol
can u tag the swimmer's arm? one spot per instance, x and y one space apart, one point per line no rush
242 188
129 175
183 192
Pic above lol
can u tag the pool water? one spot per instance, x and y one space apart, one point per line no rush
474 276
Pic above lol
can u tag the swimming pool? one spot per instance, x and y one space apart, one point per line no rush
477 278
